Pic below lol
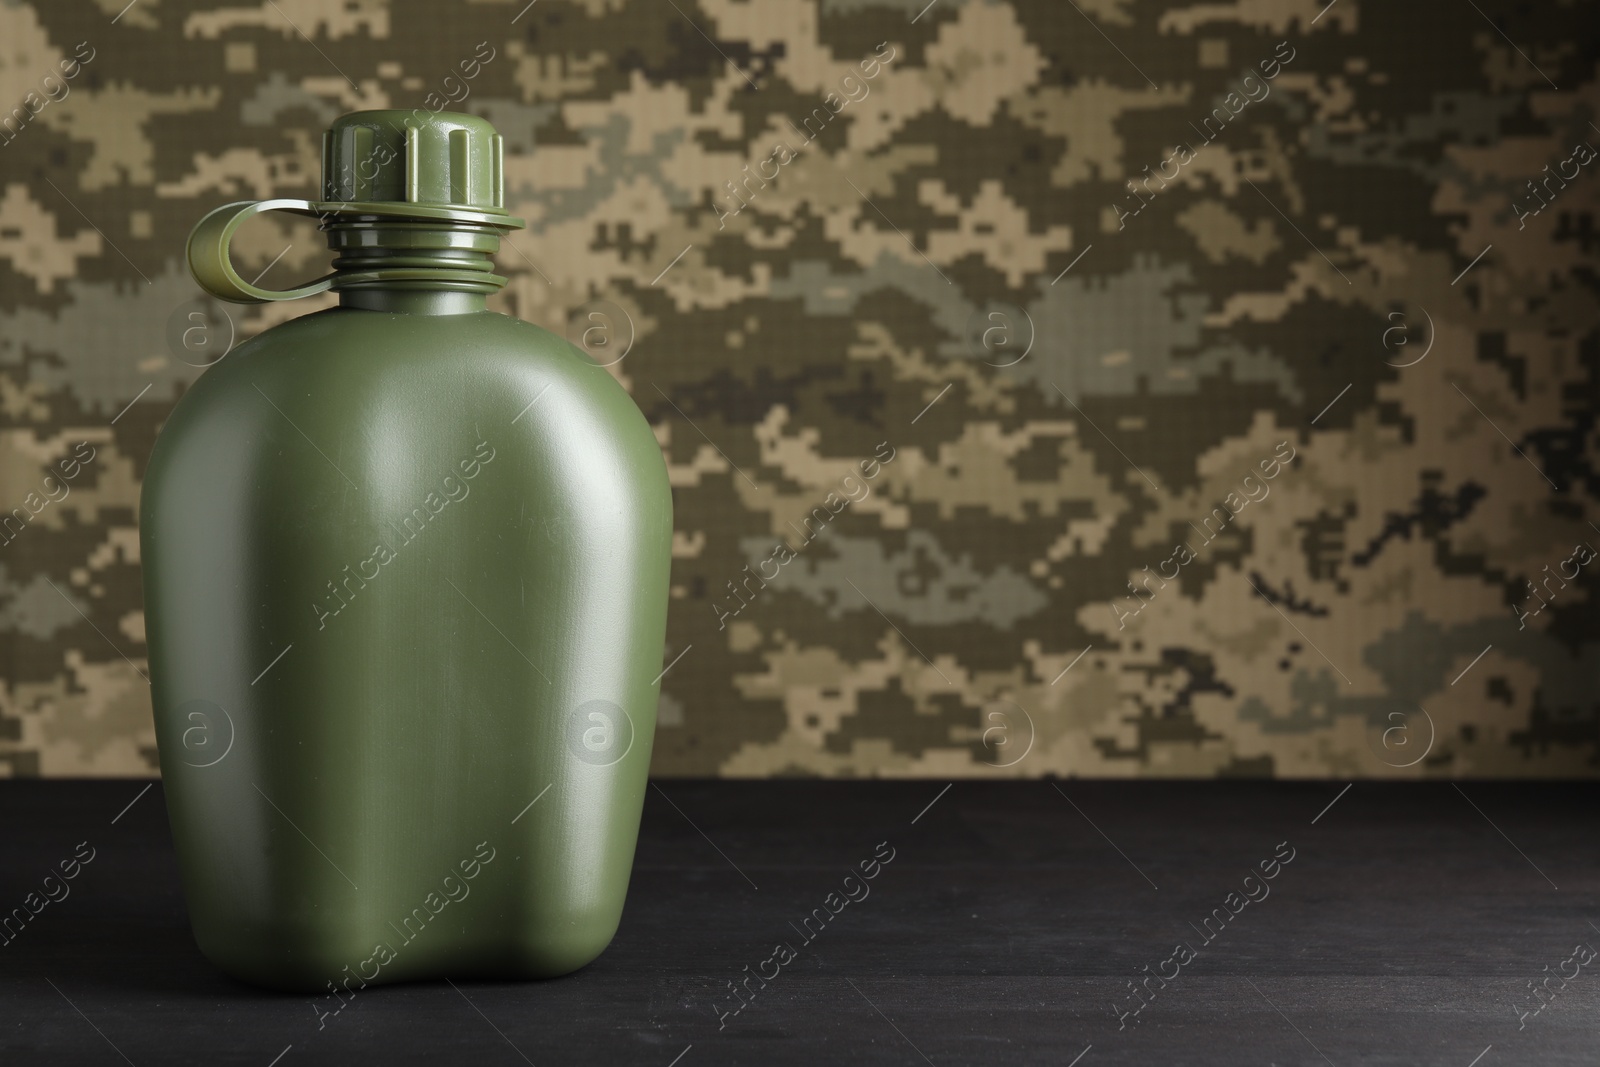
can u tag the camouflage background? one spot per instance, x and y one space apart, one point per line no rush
1348 268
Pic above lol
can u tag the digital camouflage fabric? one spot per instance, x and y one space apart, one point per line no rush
1048 388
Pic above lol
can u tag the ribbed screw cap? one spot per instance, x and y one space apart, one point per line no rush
441 159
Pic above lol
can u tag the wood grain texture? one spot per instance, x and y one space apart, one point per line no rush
1003 931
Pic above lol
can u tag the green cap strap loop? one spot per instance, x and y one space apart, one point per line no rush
212 268
208 254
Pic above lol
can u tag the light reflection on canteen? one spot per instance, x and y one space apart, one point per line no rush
599 733
401 534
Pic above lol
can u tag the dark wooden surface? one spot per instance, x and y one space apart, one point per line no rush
1405 931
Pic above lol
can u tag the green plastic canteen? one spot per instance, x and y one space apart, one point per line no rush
406 569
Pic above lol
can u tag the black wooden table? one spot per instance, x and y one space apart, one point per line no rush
1016 923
